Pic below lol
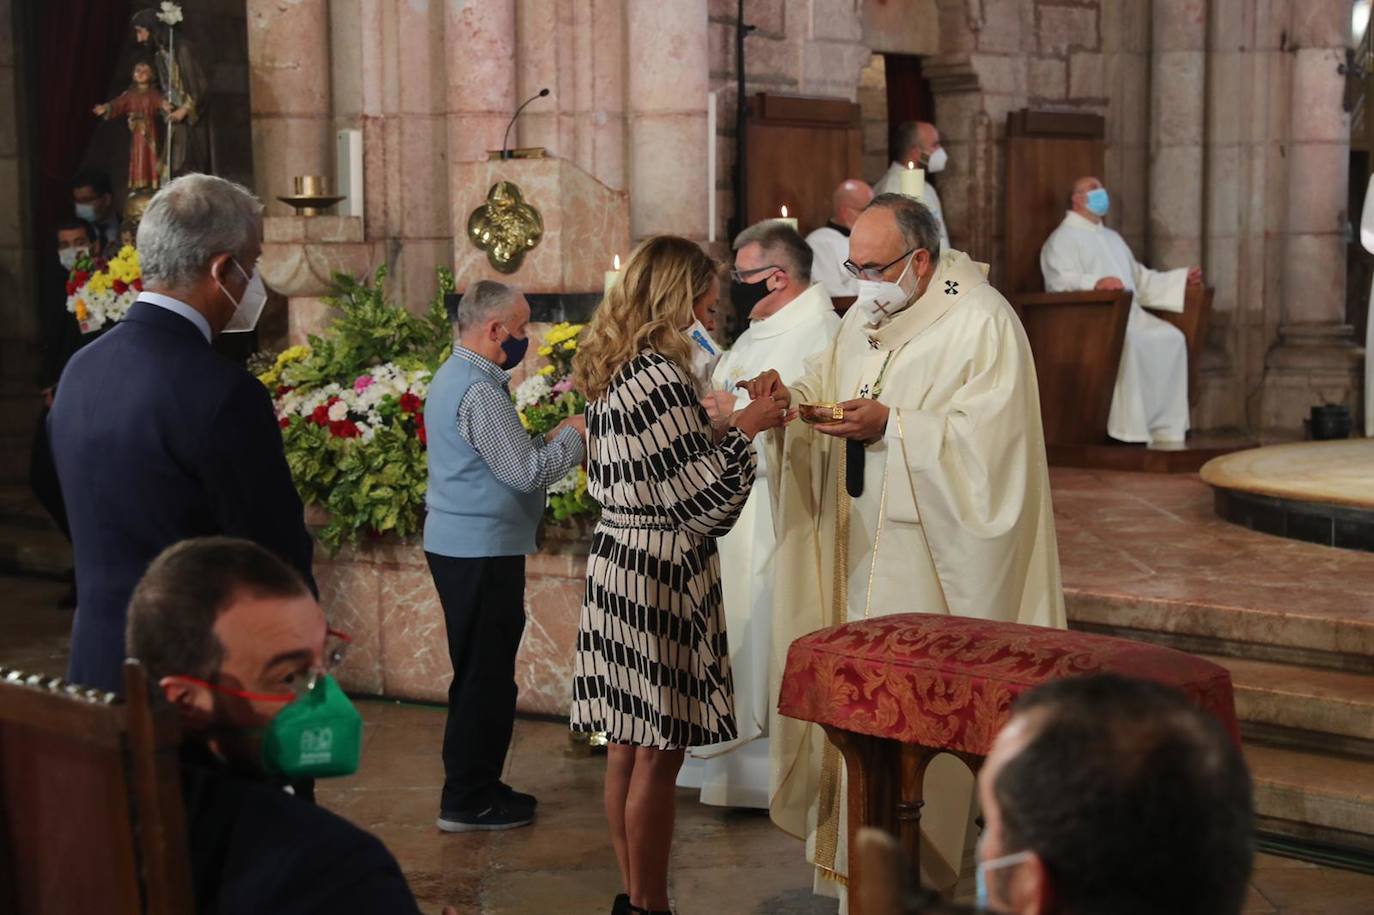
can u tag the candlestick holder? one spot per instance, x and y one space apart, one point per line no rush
311 197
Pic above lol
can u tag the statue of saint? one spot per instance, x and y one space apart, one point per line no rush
141 103
190 140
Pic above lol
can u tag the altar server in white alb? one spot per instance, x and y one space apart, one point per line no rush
830 243
1150 403
929 494
790 318
918 143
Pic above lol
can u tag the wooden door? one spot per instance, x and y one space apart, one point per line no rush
797 149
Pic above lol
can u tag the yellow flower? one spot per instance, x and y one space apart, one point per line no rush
269 378
523 421
546 371
292 354
128 252
99 282
546 350
570 345
82 313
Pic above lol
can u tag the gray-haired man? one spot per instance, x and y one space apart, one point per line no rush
157 438
487 478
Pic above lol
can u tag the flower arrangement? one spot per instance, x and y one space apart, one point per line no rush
351 410
99 292
543 401
169 13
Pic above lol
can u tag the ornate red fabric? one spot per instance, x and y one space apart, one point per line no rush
949 681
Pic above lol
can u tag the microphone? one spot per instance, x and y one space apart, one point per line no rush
505 141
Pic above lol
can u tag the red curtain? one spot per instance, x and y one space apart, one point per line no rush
77 45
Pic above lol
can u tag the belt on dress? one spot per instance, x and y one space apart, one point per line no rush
625 520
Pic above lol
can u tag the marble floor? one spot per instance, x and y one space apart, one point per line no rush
725 862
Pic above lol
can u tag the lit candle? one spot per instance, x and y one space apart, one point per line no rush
914 181
612 275
785 218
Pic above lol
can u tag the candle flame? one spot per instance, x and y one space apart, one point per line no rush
615 262
910 164
784 211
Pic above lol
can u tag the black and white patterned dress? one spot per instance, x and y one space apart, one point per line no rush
653 665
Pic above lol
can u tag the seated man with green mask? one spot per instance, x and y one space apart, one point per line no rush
231 636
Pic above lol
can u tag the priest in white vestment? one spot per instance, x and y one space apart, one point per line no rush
934 374
1150 401
830 243
1367 242
918 142
790 318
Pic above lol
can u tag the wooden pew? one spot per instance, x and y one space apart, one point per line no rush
91 815
1197 312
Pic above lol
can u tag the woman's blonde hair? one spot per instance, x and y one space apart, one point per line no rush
647 309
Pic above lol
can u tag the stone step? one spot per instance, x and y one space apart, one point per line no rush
1311 796
1303 707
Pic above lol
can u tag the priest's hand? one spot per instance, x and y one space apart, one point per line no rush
1194 276
767 384
762 413
1110 283
864 421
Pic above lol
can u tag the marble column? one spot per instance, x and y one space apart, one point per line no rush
289 86
1178 109
1316 359
669 67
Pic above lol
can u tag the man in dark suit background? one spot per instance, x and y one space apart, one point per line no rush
157 438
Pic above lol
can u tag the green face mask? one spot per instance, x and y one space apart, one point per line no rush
318 735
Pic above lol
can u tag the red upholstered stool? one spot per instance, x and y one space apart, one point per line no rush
895 691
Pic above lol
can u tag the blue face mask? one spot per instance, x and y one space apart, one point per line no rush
981 876
1098 201
514 349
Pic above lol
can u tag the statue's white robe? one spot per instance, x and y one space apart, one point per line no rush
736 774
891 183
960 486
1150 401
829 250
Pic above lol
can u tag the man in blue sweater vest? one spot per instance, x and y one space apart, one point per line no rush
487 478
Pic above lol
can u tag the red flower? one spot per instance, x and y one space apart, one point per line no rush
283 389
420 434
138 284
71 288
80 277
411 404
284 422
344 428
120 287
320 415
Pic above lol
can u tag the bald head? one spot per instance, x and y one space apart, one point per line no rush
849 201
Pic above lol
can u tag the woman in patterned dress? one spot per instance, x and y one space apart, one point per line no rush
652 667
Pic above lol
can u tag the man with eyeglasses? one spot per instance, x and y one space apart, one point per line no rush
790 318
917 483
232 638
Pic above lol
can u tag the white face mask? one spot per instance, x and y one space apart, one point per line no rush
85 211
879 299
938 160
705 353
248 309
67 257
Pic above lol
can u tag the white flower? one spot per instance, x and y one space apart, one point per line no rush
170 13
567 484
531 391
338 412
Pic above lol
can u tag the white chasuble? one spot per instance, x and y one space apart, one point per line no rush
736 774
891 183
829 251
1150 400
954 517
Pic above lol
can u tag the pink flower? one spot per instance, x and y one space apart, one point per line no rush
563 386
362 384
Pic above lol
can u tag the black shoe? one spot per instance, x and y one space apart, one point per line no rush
621 906
500 815
516 798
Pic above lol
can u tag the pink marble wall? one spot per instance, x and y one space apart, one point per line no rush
382 595
585 224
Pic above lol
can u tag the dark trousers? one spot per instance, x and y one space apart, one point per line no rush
484 609
43 476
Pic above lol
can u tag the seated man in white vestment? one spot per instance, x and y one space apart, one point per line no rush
830 243
790 318
918 142
929 494
1150 402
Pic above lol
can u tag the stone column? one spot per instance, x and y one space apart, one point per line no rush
1316 359
669 66
1178 110
289 85
481 53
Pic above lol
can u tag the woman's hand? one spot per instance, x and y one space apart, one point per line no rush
762 413
767 384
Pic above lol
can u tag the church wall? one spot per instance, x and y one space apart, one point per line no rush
18 320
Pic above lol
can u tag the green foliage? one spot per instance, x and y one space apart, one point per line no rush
543 416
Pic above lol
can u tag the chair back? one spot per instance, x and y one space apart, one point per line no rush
91 815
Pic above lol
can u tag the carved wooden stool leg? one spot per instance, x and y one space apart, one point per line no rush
914 761
871 764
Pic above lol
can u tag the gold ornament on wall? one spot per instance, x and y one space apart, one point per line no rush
505 227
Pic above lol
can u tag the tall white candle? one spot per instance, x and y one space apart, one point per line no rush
612 275
790 220
710 166
914 181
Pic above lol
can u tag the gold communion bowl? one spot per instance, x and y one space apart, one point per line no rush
820 414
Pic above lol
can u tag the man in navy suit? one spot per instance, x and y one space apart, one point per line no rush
156 437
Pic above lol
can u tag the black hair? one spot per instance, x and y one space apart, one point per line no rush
83 225
1136 802
93 178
